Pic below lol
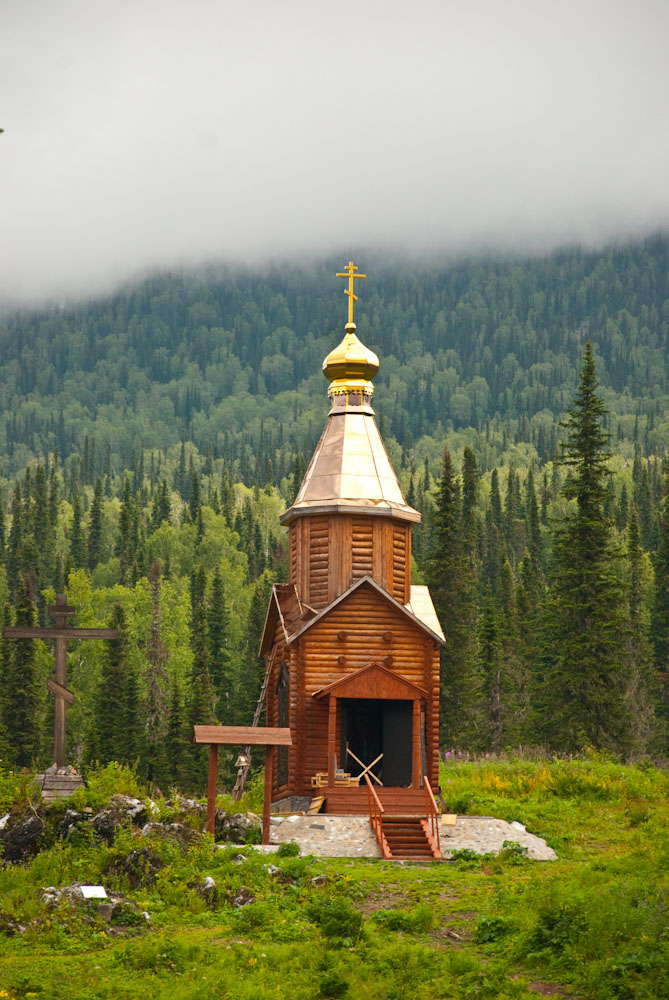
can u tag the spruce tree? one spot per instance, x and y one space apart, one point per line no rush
95 528
14 548
659 623
77 544
639 668
116 733
177 747
218 625
252 668
202 697
5 681
24 703
584 682
452 585
155 705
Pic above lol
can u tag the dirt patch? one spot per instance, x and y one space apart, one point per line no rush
549 990
454 928
385 900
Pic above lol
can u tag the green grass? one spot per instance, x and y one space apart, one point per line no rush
594 923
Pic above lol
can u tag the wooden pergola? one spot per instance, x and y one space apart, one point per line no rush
259 736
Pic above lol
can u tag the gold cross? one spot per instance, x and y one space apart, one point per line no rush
349 273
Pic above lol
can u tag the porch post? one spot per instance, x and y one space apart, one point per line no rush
267 800
415 746
332 736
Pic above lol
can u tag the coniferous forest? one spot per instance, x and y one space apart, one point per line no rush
150 439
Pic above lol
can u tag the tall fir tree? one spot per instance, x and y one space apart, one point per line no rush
252 671
116 733
584 690
453 587
639 666
218 627
77 542
202 697
155 712
177 747
95 527
14 547
659 622
23 705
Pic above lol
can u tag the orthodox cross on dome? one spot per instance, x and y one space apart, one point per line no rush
349 272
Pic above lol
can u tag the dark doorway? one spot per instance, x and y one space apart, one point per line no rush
370 727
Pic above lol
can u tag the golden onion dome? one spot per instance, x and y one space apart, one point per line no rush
350 366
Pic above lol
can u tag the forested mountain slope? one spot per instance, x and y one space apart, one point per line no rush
149 441
231 360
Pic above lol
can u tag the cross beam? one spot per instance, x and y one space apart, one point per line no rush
349 272
60 612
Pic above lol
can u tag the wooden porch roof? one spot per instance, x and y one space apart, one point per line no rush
373 681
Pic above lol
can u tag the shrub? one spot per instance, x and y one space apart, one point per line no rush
558 926
333 985
336 917
289 849
415 921
492 928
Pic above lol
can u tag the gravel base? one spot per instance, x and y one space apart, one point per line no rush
351 836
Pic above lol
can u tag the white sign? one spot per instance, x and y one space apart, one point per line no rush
93 892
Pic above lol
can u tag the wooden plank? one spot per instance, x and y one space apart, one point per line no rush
60 691
28 632
260 736
61 609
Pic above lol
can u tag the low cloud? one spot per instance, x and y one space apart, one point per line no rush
143 134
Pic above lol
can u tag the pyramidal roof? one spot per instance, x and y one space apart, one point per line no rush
350 471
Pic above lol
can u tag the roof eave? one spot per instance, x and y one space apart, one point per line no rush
384 593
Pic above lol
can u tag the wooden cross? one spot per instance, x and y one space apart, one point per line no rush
349 272
60 612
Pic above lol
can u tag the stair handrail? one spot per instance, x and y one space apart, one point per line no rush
432 811
376 811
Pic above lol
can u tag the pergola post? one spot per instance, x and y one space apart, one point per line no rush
260 736
211 789
415 746
267 799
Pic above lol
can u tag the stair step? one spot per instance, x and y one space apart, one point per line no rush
406 838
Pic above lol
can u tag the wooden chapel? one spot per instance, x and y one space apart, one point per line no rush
352 646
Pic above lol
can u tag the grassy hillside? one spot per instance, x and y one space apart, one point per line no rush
592 924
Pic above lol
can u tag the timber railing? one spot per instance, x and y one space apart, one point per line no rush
432 813
376 819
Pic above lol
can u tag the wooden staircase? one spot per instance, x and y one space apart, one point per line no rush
407 838
412 835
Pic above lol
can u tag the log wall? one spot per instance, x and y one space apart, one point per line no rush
363 629
328 554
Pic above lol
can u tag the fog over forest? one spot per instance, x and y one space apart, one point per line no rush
154 135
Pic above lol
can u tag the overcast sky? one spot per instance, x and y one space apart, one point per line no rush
142 133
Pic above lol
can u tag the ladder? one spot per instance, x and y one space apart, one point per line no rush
243 771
